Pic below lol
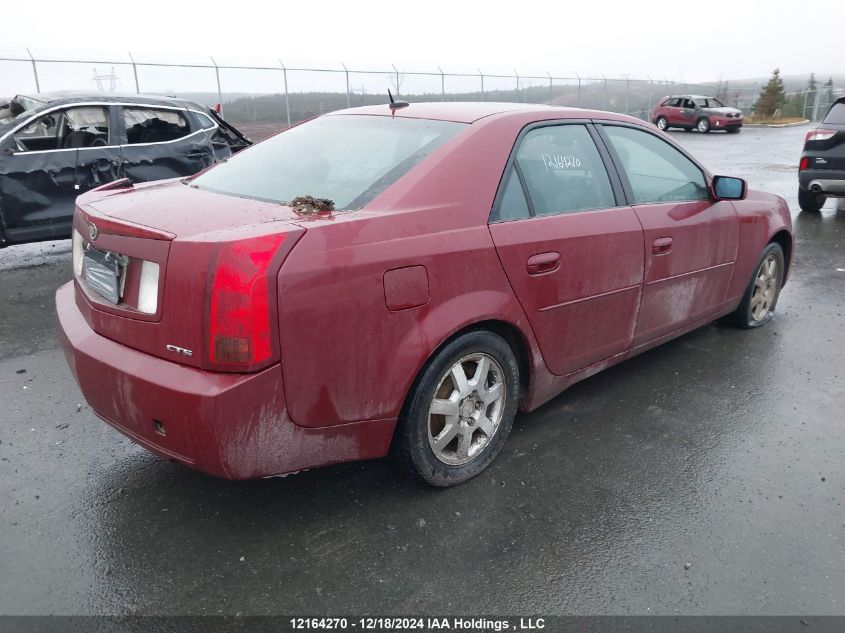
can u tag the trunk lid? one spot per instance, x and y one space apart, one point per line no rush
162 240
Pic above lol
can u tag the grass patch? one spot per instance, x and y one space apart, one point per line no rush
767 120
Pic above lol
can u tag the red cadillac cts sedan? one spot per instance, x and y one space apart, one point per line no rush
478 258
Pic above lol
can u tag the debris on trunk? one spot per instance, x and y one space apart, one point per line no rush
309 205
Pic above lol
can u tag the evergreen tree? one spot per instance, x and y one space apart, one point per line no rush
773 96
828 90
812 84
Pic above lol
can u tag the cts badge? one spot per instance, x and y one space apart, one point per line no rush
93 232
179 350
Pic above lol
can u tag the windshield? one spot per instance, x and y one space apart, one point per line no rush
348 159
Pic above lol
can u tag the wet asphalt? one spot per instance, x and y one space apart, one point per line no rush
705 476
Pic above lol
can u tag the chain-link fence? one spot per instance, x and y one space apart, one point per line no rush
277 94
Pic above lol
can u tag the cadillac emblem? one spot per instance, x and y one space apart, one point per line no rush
93 232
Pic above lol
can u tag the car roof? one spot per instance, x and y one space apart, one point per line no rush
471 111
60 98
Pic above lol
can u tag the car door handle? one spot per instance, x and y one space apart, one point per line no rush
543 263
662 246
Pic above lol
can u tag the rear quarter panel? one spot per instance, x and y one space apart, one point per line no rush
345 355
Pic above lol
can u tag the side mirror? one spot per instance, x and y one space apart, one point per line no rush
728 188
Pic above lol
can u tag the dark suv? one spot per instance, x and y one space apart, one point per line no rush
54 147
821 172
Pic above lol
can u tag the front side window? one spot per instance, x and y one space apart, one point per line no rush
148 125
349 159
84 126
674 102
656 171
563 170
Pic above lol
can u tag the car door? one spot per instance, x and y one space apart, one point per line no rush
691 240
161 142
674 111
98 157
572 250
49 162
687 113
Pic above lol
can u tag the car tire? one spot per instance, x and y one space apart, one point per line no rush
809 201
451 428
662 123
761 296
703 125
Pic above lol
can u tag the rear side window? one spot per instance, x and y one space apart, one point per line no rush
512 205
656 171
836 115
205 122
349 159
563 170
148 125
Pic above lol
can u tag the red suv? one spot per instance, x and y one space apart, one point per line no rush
382 280
692 112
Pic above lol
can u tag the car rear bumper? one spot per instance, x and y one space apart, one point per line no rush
233 426
828 181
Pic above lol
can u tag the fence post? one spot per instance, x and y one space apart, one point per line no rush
219 91
34 72
605 91
397 79
287 101
816 105
516 73
551 87
804 109
481 74
579 90
135 72
442 84
627 94
346 72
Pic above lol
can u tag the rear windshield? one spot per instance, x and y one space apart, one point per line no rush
836 116
349 159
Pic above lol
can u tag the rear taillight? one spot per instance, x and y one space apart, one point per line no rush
820 135
240 304
804 164
77 253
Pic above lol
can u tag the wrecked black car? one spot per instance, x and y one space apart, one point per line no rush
54 147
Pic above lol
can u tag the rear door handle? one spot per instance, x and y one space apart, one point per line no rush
662 246
543 263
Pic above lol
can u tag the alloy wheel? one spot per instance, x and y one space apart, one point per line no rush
765 288
467 409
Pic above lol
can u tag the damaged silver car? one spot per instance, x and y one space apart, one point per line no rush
54 147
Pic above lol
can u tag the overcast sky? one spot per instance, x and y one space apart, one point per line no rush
685 41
